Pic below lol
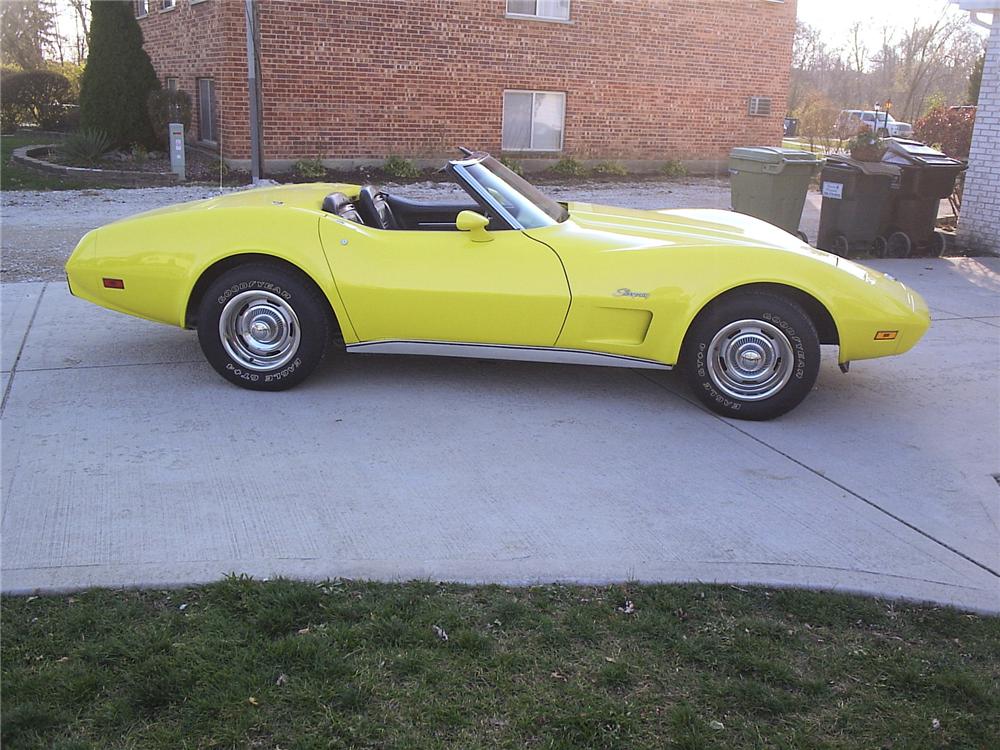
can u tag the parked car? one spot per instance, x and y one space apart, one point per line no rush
273 278
850 121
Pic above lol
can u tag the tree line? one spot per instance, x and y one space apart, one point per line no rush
918 68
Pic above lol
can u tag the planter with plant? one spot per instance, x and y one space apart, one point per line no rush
866 146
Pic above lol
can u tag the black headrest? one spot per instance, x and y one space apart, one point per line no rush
374 210
334 203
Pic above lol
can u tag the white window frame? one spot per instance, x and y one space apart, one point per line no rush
536 17
166 5
141 8
531 137
754 106
170 83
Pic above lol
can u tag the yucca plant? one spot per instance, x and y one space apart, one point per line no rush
86 146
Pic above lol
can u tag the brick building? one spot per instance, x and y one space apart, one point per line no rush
354 81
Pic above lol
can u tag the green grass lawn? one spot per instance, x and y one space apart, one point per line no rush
802 145
249 664
15 177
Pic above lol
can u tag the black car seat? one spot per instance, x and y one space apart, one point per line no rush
342 206
375 212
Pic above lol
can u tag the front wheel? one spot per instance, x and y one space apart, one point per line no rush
752 356
263 327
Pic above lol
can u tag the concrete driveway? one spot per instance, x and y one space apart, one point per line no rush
128 462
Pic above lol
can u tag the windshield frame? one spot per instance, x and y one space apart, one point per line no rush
545 211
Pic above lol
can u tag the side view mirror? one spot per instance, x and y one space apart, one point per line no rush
475 224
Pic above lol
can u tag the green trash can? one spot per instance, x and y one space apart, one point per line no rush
771 184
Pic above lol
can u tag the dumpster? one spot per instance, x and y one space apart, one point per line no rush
926 176
856 205
771 183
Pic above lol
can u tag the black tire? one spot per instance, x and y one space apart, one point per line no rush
898 245
938 245
841 246
879 247
284 305
755 317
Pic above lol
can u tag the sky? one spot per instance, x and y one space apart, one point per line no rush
834 18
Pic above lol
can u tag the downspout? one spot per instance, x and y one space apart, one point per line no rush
254 93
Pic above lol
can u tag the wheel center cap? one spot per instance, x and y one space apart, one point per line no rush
750 359
262 330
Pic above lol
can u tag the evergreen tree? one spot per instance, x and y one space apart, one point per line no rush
118 78
976 79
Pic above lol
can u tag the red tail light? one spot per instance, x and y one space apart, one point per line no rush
113 283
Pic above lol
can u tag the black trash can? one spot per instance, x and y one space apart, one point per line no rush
856 204
926 177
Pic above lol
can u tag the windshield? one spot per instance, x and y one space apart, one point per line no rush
520 198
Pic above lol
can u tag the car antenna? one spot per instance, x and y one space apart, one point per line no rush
466 151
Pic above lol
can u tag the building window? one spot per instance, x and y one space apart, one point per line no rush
167 5
141 8
760 106
551 10
533 120
171 84
207 121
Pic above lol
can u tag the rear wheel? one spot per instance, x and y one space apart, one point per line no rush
263 327
938 245
898 245
751 356
879 247
841 246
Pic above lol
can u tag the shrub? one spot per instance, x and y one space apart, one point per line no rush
11 112
397 166
164 107
86 146
139 154
116 83
219 167
310 169
38 95
569 167
610 168
673 169
947 129
512 164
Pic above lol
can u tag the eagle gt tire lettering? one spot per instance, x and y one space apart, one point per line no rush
751 356
263 327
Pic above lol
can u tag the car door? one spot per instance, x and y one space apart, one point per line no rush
408 285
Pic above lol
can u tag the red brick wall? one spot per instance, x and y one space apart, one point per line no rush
203 40
646 79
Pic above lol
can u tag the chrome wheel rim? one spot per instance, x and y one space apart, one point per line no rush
750 360
259 330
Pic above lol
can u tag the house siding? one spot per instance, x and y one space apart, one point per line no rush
363 79
979 220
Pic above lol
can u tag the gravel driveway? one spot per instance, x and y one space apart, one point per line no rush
40 229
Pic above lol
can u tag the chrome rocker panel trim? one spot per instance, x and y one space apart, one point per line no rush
549 354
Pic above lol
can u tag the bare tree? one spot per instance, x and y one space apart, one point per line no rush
81 8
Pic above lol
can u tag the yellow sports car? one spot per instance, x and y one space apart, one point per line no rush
273 278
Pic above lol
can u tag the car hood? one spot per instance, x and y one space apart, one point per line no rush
690 227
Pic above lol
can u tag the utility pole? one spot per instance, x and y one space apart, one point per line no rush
253 95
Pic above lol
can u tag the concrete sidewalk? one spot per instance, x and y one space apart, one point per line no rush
128 462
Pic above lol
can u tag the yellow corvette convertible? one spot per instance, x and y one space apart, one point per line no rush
273 278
